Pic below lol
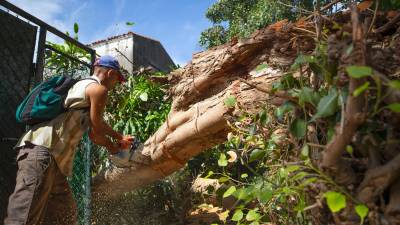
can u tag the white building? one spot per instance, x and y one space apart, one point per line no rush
134 51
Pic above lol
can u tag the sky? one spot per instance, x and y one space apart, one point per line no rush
177 24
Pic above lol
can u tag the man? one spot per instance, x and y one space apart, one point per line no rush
46 151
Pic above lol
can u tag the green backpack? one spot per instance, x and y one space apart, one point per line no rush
45 101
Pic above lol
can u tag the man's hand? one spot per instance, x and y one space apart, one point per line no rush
126 141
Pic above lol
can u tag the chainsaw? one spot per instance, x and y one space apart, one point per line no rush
125 158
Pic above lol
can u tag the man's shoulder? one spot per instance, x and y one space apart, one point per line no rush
96 89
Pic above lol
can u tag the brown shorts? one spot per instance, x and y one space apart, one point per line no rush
40 187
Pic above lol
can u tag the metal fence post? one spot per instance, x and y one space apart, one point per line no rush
40 56
88 176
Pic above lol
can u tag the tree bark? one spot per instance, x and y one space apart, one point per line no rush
198 117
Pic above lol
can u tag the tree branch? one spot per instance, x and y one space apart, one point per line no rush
354 116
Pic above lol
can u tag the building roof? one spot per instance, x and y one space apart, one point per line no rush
130 33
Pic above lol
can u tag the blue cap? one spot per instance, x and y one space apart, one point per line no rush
109 62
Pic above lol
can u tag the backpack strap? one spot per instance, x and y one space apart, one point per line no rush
90 78
81 108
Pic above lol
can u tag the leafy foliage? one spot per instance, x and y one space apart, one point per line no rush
240 18
56 63
138 107
230 101
390 5
275 177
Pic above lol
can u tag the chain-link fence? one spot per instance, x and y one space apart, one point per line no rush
80 181
28 58
76 66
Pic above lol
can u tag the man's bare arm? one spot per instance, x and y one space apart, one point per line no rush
103 141
97 95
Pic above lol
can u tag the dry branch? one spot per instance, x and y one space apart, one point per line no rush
353 117
392 211
389 24
378 179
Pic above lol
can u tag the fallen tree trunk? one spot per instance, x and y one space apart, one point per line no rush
198 118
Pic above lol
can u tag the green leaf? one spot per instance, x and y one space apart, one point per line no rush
395 84
283 172
292 168
244 193
229 192
252 215
361 89
283 109
244 175
362 211
144 96
253 129
305 151
230 101
222 160
308 181
308 95
263 117
336 201
223 179
210 173
224 215
76 28
254 223
261 67
302 59
256 154
395 107
265 195
299 176
130 23
237 216
327 106
349 49
359 71
349 149
298 128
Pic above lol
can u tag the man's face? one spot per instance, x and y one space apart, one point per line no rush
114 77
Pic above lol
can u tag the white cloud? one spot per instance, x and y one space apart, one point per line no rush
51 12
46 10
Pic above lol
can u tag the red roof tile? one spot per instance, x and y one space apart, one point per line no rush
118 36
